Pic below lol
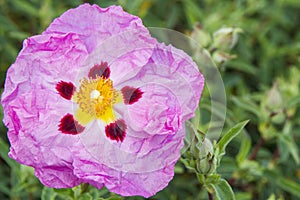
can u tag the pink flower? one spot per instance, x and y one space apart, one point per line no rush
96 99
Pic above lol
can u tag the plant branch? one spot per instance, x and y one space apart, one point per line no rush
210 196
257 147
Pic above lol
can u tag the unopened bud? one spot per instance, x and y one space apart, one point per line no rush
226 38
274 98
221 57
201 37
204 164
206 149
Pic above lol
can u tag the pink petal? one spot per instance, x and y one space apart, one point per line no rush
94 24
35 140
172 69
144 183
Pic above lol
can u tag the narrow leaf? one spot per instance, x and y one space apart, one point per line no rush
26 7
289 186
290 145
247 104
286 184
232 133
244 149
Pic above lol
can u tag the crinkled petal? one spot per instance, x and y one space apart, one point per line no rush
44 61
173 69
162 117
133 154
109 34
144 183
35 140
94 24
33 107
123 52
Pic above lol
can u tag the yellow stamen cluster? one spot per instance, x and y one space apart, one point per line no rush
96 97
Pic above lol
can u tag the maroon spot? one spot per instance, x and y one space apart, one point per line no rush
116 130
131 94
66 90
100 70
68 125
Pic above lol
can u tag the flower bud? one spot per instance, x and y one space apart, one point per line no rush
206 149
221 57
204 162
226 38
204 166
274 98
200 36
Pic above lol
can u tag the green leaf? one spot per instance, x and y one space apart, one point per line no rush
196 119
85 196
4 189
115 198
192 11
25 7
223 190
48 194
294 101
19 35
244 149
103 192
289 186
247 105
242 66
288 144
232 133
68 192
284 183
111 198
4 149
173 16
243 196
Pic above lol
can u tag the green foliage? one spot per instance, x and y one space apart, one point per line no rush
223 190
232 133
261 75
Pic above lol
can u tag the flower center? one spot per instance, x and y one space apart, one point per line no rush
96 97
95 94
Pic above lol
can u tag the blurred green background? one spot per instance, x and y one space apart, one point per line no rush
262 81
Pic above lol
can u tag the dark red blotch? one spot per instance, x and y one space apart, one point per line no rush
116 130
100 70
131 94
68 125
66 90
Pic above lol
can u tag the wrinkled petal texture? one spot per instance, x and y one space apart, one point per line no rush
172 86
32 107
79 39
94 24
